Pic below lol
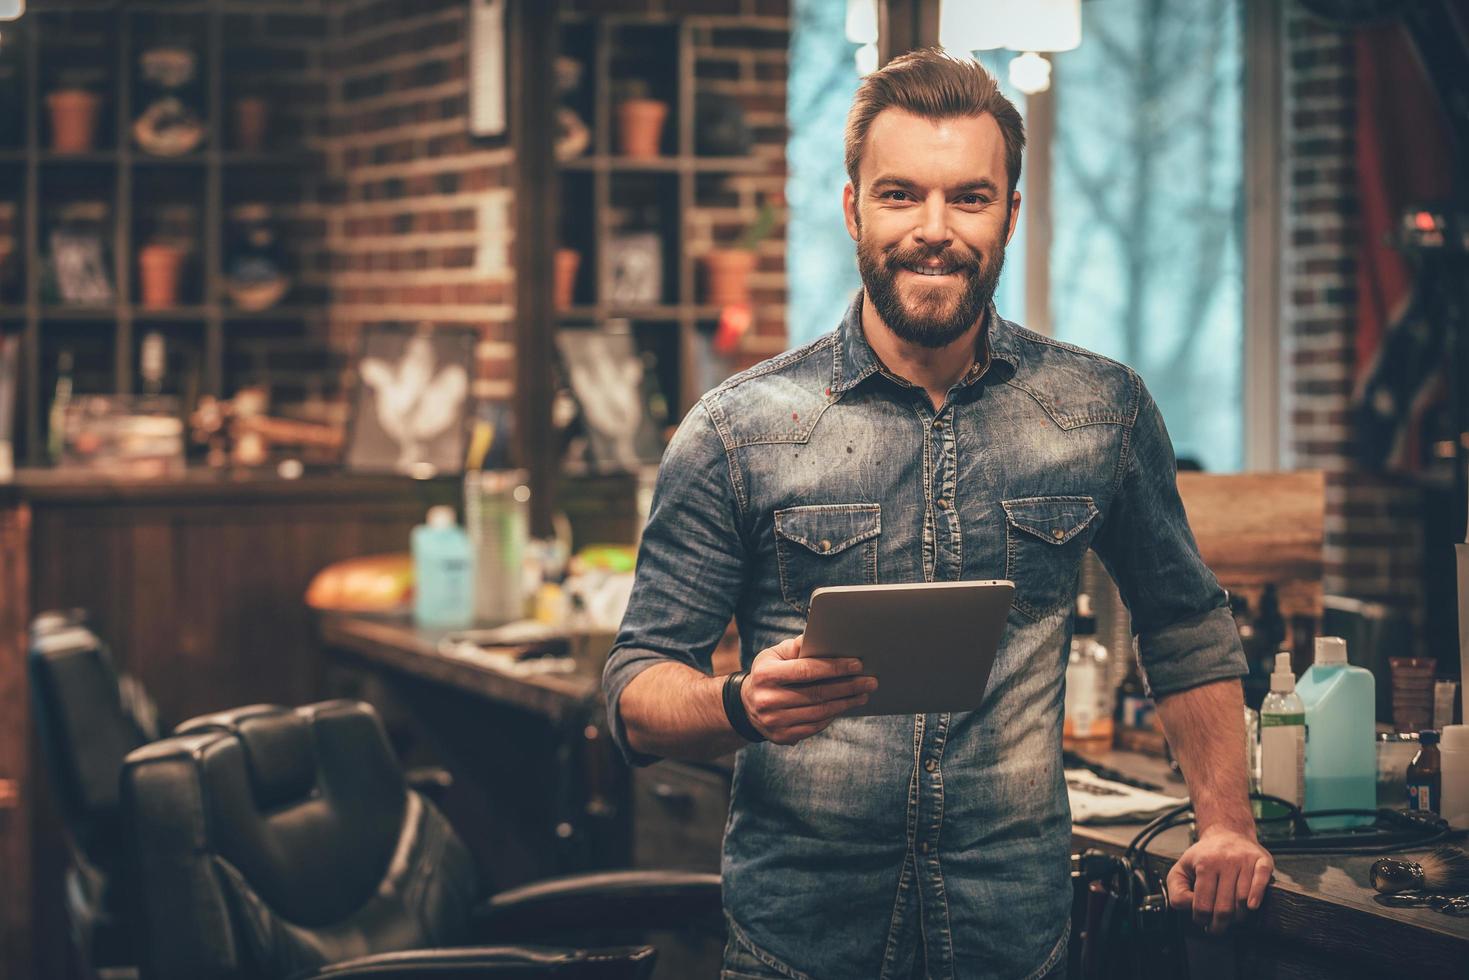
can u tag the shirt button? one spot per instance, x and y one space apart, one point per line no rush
938 423
1058 534
826 546
931 765
923 847
943 504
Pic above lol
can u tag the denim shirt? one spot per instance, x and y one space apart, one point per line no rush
847 853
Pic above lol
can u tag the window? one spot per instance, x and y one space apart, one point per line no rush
1144 165
1147 209
821 262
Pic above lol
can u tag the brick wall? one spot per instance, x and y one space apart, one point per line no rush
1373 542
424 226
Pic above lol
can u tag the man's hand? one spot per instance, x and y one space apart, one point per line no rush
789 698
1220 878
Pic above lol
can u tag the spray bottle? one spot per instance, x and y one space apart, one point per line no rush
1283 736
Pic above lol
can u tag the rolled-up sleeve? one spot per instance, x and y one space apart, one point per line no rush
1180 615
690 570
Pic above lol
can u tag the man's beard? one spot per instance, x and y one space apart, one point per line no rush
933 318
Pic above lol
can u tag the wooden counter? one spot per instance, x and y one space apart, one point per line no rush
1320 918
196 585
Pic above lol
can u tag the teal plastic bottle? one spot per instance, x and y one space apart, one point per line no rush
443 572
1341 747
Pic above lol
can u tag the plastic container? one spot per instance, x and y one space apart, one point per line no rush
497 519
1453 751
443 570
1283 738
1341 751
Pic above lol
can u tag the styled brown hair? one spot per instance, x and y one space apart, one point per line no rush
935 85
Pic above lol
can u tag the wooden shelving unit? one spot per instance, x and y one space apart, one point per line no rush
127 179
596 191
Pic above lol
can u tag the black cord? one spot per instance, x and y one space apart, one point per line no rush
1411 833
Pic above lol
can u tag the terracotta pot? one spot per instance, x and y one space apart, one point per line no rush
158 274
640 127
252 119
568 260
728 271
73 120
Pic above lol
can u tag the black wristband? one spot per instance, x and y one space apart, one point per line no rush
734 708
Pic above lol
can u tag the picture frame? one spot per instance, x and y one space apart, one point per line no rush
411 405
608 377
632 269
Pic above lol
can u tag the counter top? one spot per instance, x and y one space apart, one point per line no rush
80 486
394 642
1325 902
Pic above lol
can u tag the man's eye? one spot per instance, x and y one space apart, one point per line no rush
895 195
973 200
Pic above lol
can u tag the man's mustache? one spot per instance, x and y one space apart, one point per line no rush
950 257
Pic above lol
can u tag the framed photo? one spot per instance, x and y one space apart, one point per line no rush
411 405
608 376
632 270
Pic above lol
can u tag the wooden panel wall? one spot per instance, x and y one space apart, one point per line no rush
1259 528
203 601
15 756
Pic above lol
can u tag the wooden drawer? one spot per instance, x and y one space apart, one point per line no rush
679 812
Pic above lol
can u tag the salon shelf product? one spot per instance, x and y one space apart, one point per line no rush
1341 751
1283 736
443 572
1453 753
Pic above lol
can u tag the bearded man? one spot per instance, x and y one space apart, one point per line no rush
925 440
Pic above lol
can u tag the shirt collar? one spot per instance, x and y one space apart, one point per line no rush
855 360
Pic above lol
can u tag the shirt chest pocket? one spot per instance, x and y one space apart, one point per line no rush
1045 539
825 544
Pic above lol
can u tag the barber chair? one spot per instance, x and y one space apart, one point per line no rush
276 843
88 718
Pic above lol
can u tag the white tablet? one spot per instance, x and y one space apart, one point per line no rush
931 645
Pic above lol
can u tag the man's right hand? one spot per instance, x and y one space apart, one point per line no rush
789 697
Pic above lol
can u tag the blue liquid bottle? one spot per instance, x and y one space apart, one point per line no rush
443 572
1341 749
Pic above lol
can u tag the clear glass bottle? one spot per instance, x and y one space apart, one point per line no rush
1088 719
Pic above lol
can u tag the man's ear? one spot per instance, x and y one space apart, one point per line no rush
849 211
1014 216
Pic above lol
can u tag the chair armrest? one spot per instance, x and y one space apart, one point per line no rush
663 900
499 963
433 782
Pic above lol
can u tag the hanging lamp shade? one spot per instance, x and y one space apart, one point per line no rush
976 25
861 25
12 9
1041 25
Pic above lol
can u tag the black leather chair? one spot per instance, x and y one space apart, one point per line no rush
88 718
285 843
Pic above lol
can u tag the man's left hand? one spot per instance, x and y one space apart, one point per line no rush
1220 878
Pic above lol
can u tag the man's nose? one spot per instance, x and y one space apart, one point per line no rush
933 225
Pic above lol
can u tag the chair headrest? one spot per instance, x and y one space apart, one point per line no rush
280 757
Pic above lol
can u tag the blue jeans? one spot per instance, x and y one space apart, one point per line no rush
744 961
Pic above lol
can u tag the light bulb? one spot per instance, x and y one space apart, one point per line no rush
1030 73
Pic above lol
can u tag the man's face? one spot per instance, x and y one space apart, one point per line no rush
931 219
